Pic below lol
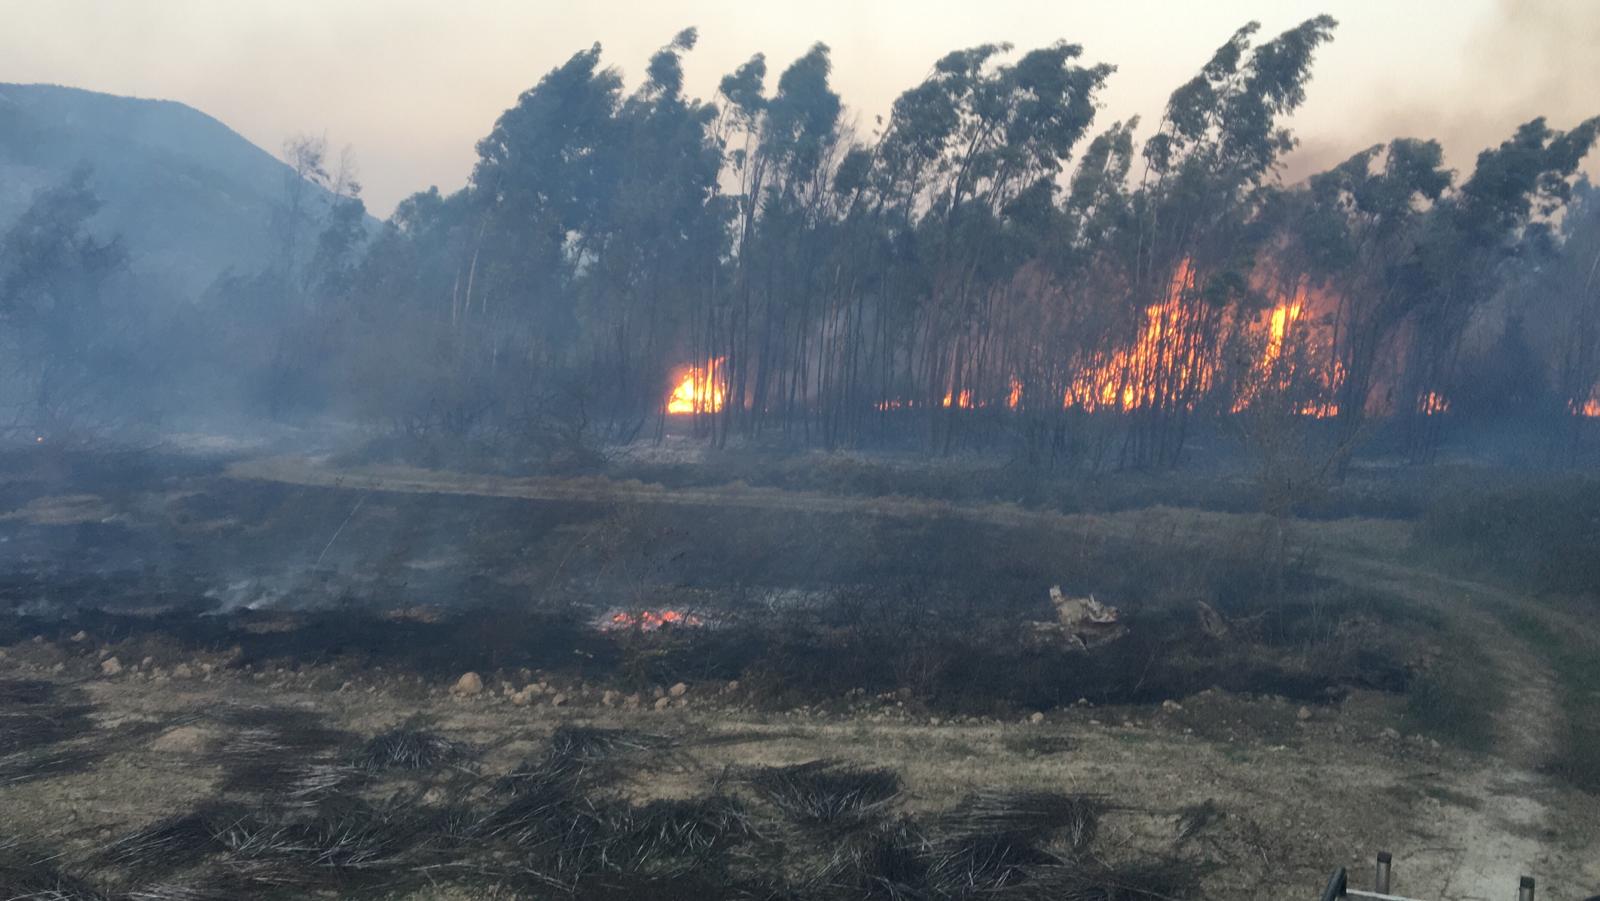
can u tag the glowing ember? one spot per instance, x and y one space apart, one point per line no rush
698 390
1589 409
1433 403
1014 396
648 620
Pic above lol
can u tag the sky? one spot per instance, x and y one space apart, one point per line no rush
411 85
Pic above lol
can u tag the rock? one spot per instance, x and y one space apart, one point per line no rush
680 702
1303 714
1391 734
678 690
521 698
110 666
662 702
733 685
633 701
147 662
1171 706
182 671
608 697
80 635
182 740
468 685
1037 718
558 700
207 668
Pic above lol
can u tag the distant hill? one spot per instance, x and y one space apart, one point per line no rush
189 195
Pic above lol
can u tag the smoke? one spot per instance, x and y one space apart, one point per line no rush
1524 58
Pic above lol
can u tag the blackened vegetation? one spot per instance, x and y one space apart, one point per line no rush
564 823
46 730
411 748
825 794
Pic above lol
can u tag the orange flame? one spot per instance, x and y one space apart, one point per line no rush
1127 381
649 620
698 390
962 400
1589 409
1433 403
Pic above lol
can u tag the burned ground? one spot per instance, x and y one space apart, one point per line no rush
851 676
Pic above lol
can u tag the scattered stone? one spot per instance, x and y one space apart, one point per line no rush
662 702
110 666
633 701
1434 744
182 671
608 697
1036 718
1391 734
1303 714
558 700
207 668
80 636
678 690
733 685
934 721
468 685
1171 706
520 698
146 662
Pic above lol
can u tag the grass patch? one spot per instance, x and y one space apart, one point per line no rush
1455 699
1537 535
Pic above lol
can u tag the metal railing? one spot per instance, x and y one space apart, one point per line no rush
1338 884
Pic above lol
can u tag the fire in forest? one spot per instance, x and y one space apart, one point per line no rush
697 390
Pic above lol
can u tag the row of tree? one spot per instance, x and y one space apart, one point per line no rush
984 265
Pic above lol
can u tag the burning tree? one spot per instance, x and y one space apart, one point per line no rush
979 270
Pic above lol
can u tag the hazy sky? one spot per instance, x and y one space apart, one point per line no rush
412 84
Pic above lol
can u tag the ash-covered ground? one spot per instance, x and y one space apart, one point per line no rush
253 676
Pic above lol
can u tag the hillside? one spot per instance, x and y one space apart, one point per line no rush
189 195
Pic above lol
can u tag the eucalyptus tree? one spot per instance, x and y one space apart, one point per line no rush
55 314
1219 143
1359 235
969 156
1465 252
787 148
656 241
